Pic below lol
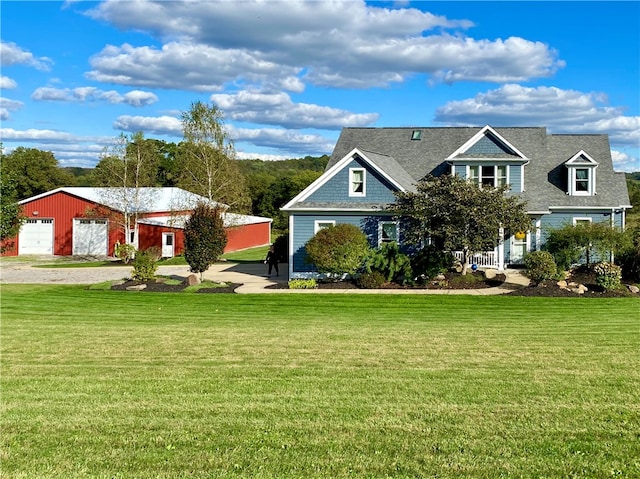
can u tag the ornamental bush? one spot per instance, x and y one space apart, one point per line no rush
204 237
338 250
431 261
390 263
145 264
540 266
608 275
370 280
303 284
125 252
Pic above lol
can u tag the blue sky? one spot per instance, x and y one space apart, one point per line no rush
289 75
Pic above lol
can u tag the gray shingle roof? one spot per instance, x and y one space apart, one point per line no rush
545 178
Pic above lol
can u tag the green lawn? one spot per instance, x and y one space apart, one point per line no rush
133 385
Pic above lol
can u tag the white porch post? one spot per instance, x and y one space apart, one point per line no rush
501 249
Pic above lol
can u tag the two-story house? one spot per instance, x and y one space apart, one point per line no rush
564 179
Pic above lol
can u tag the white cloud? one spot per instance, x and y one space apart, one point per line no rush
279 109
12 54
7 106
346 44
283 140
162 125
516 105
245 155
187 66
135 98
7 83
624 162
35 135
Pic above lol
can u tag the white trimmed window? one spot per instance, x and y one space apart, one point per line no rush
489 175
581 181
387 232
322 224
583 220
581 175
357 182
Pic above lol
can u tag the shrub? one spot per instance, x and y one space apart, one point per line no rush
540 266
338 250
125 252
370 280
431 261
389 262
608 275
629 258
204 237
303 284
145 264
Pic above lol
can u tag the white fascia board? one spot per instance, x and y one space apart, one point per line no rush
479 135
577 160
41 195
337 210
581 208
330 173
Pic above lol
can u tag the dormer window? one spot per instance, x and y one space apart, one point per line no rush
416 135
581 175
488 175
357 182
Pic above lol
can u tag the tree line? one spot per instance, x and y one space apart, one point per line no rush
204 162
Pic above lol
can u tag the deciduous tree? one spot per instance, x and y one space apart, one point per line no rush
204 237
34 171
128 168
459 215
206 157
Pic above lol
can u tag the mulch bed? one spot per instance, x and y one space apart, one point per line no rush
452 281
580 275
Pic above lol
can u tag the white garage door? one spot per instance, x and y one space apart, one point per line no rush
90 237
36 237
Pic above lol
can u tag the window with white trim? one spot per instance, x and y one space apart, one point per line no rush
581 175
387 232
583 220
357 182
489 175
322 224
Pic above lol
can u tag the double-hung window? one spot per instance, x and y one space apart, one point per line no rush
582 181
357 182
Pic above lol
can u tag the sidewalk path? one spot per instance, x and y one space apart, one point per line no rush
250 275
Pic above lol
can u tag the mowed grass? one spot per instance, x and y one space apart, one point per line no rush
104 384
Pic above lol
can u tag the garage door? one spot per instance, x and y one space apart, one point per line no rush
90 237
36 237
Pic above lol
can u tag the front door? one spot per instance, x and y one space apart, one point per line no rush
518 248
167 245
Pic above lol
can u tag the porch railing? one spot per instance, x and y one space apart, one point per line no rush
486 259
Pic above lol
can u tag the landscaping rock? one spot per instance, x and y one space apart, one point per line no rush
137 287
490 273
562 284
633 288
192 280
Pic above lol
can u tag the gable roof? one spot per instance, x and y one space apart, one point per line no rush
153 199
386 166
543 155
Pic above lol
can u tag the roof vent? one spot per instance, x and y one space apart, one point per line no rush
416 135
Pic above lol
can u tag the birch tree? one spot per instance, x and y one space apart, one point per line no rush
207 158
127 171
